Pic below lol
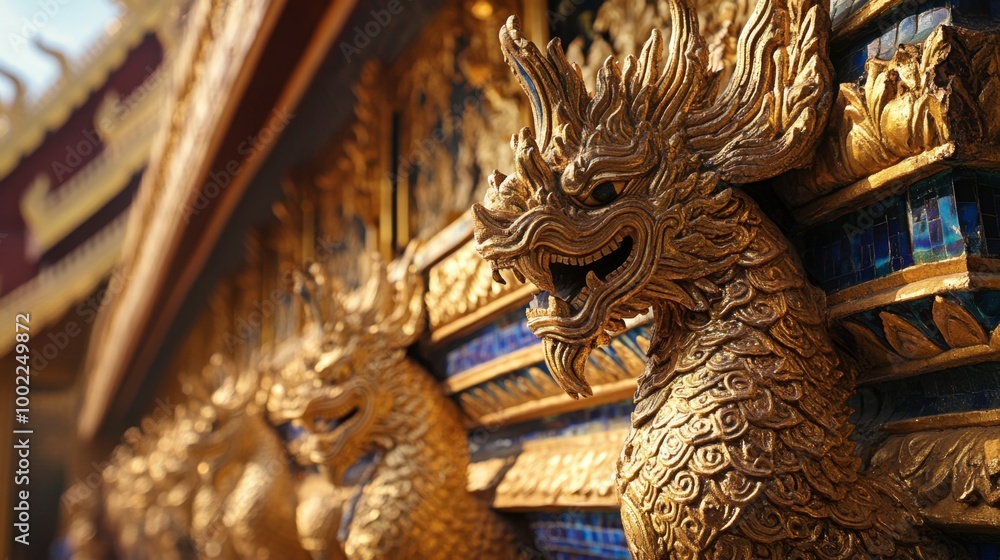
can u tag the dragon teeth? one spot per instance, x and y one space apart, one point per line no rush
593 282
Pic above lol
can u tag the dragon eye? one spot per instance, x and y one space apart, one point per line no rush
604 193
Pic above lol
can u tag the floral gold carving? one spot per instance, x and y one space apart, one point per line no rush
621 200
944 90
463 283
567 472
954 473
957 326
906 338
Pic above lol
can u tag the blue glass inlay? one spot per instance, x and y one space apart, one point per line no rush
579 535
960 389
949 215
862 246
508 333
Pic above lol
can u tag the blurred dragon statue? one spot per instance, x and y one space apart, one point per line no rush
624 199
213 480
352 391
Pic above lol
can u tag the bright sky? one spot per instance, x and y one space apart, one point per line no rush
70 26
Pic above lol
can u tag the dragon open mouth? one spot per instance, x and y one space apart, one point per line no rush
575 278
328 424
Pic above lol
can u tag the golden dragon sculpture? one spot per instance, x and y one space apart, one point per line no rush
354 391
212 480
623 200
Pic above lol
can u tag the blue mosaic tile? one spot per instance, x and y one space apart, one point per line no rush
909 23
949 215
507 334
579 535
934 221
859 247
962 389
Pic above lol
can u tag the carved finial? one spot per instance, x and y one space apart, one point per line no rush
59 56
16 106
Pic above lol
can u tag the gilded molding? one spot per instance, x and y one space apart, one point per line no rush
952 473
74 277
463 283
29 124
51 216
944 91
569 472
518 391
910 351
214 47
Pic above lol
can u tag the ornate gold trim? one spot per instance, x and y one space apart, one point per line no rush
938 93
565 472
30 125
558 404
879 185
861 18
971 419
958 274
51 216
48 295
494 368
468 323
952 473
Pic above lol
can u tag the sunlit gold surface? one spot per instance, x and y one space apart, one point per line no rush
928 95
620 201
354 391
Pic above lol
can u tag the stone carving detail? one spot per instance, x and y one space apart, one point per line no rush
352 390
954 474
621 201
944 90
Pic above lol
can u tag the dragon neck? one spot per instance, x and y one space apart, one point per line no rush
421 473
747 390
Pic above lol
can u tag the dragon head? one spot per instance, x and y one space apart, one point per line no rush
620 199
342 389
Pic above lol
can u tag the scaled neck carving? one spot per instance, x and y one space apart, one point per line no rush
622 201
355 392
